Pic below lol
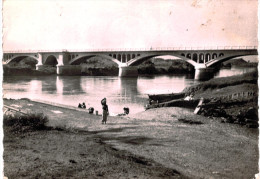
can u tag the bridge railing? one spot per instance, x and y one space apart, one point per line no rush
136 49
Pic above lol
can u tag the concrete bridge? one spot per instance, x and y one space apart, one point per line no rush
203 59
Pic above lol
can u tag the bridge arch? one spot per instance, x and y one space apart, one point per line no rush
51 60
128 57
123 58
214 56
18 58
201 58
223 59
188 56
221 55
119 57
207 57
195 57
140 59
82 58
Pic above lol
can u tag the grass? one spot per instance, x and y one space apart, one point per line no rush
189 121
25 123
218 83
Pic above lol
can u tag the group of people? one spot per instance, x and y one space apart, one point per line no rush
105 111
104 108
83 105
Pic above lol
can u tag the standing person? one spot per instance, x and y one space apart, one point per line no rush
105 110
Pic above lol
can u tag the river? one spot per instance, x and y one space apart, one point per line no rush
120 92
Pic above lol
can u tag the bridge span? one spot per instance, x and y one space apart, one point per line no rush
203 59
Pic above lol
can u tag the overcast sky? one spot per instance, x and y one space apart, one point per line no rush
78 24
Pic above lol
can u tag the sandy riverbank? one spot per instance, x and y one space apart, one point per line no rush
151 144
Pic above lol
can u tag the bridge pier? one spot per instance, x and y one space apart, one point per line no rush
203 73
128 71
68 69
42 67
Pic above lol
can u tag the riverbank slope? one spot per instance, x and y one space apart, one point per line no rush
234 94
151 144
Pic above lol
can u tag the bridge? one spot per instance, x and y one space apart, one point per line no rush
203 59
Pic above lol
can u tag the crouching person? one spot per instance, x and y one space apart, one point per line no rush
90 110
79 106
126 110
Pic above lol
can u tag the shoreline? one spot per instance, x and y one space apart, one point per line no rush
153 135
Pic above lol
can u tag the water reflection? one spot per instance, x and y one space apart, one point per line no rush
128 88
120 92
49 85
69 85
163 84
59 85
35 88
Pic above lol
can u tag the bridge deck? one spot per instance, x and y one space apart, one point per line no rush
136 49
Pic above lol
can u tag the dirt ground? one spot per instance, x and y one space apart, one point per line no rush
61 154
151 144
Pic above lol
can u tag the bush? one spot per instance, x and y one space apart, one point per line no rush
148 69
24 123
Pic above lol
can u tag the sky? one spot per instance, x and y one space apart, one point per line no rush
110 24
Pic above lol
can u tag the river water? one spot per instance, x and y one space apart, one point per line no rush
120 92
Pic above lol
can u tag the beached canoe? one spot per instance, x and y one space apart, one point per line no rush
175 103
166 97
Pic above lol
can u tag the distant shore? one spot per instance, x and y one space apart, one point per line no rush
104 67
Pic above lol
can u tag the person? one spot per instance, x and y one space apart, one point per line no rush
105 111
153 102
90 110
83 105
126 110
79 106
189 98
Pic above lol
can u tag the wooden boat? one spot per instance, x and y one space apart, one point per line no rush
166 97
175 103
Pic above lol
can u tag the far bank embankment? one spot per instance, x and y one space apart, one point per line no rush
100 67
97 66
